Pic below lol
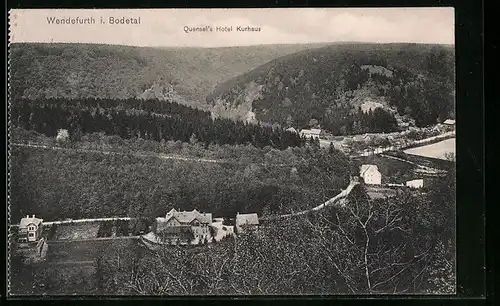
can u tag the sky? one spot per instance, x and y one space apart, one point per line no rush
168 27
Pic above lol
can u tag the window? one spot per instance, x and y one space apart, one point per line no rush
31 234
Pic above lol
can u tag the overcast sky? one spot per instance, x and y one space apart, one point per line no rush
165 27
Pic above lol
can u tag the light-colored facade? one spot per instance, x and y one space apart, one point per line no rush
370 174
246 222
419 183
184 227
30 229
449 122
315 133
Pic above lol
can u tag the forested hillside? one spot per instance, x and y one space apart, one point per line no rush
185 75
147 119
60 184
402 245
346 88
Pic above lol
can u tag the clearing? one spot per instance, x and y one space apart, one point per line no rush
435 150
380 192
393 171
76 231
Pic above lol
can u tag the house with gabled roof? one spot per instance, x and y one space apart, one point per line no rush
314 133
184 226
245 222
30 229
370 174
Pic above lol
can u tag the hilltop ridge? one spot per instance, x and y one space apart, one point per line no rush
334 85
185 75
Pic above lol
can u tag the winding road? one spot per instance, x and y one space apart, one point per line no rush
335 200
155 155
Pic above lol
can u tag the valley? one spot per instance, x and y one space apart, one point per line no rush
105 141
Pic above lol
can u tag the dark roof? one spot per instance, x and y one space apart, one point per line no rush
365 168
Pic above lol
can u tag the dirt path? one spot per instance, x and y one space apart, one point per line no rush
71 263
155 155
92 239
336 199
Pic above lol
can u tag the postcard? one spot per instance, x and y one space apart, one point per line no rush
228 152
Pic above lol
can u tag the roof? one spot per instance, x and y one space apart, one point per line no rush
311 131
449 121
247 219
186 217
291 129
365 168
29 220
415 181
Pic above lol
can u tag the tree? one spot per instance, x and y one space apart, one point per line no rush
313 122
331 149
450 156
62 136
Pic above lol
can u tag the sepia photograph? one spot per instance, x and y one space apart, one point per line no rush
231 152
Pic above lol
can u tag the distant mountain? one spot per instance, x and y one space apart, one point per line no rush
185 75
345 88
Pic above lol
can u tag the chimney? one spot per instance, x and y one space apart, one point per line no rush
27 216
33 216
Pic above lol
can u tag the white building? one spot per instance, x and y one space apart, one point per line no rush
184 226
291 130
419 183
310 133
370 174
449 122
30 229
245 222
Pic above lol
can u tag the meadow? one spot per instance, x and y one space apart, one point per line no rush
436 150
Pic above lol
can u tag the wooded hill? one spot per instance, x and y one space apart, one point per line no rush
70 183
147 119
333 85
185 75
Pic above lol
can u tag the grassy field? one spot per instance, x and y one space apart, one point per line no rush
70 267
435 150
377 192
393 171
76 231
71 279
423 160
86 250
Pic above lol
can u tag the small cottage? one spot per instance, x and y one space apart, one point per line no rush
246 222
370 174
449 122
419 183
30 229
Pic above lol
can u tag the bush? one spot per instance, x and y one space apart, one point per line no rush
105 229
